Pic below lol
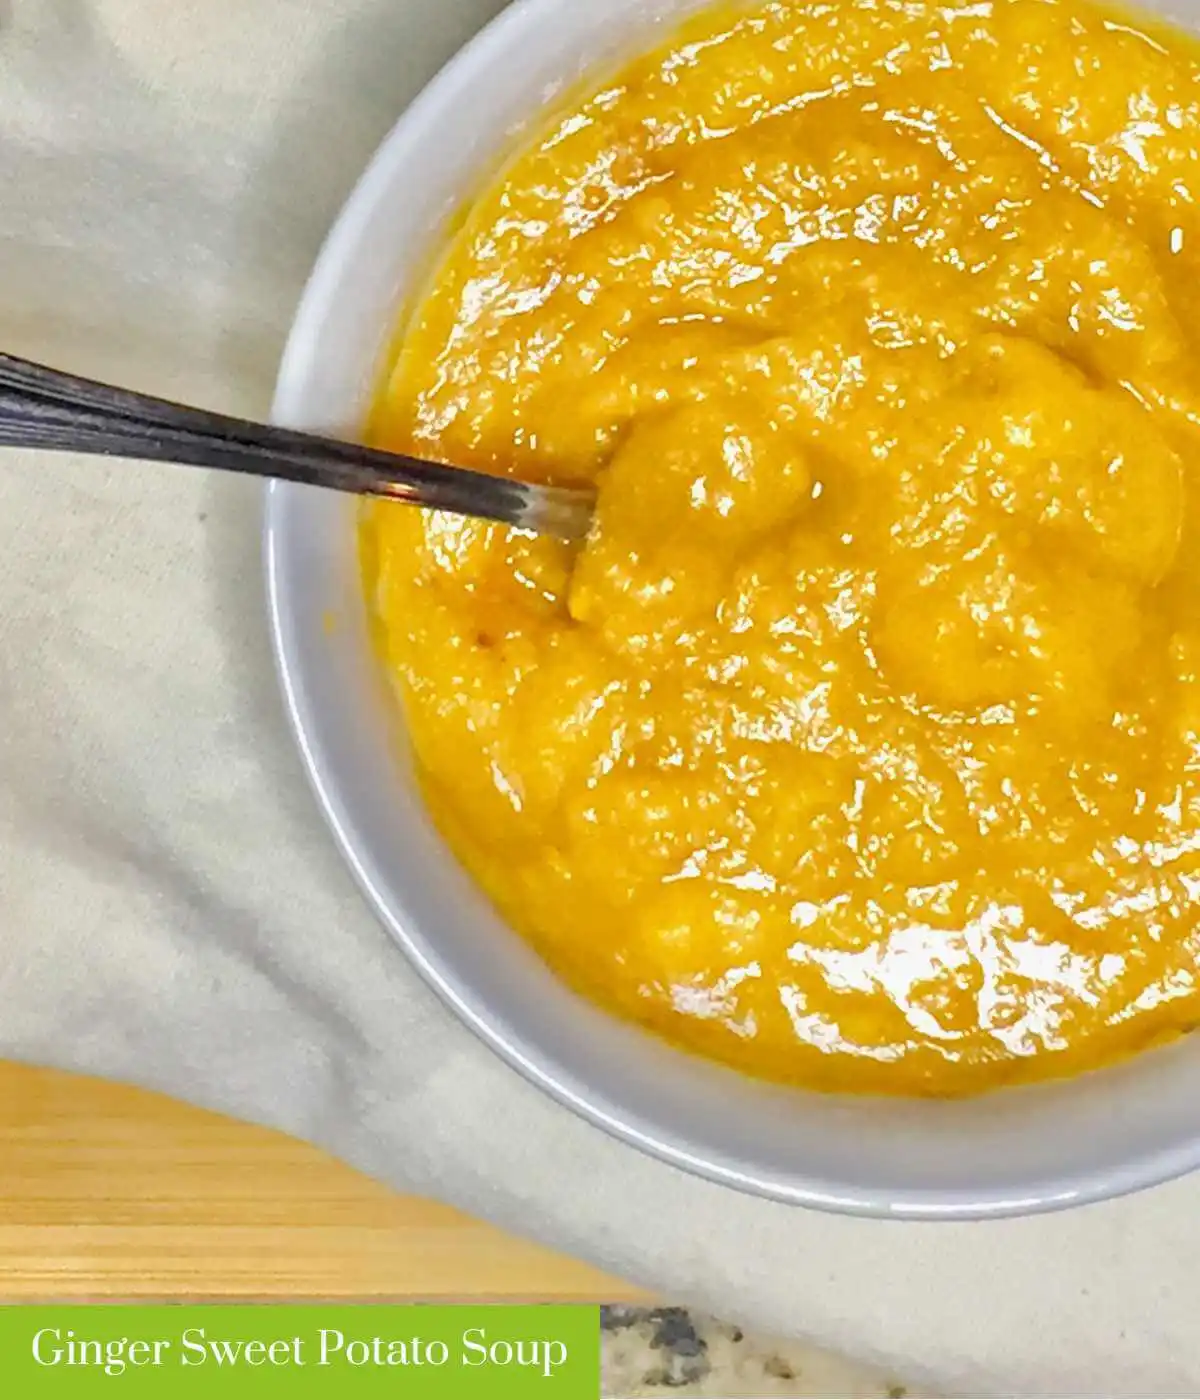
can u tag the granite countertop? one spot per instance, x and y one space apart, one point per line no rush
677 1352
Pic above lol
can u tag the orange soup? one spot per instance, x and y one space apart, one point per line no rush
859 746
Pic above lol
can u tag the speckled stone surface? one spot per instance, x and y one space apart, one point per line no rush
676 1352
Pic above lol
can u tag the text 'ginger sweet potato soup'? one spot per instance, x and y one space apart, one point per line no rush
859 746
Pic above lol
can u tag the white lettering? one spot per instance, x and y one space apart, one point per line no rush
113 1356
280 1352
53 1355
192 1343
547 1356
332 1341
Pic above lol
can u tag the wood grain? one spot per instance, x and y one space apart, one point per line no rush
109 1193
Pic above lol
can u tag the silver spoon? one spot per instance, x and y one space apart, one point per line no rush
44 408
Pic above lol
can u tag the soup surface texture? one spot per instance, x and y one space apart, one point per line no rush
860 745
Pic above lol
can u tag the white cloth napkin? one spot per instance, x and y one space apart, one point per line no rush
173 912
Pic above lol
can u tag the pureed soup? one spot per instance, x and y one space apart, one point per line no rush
860 746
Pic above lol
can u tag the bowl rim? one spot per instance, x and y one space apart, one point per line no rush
1150 1167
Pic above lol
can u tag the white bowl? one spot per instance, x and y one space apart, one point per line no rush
1009 1153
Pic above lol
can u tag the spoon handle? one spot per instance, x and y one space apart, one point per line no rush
45 408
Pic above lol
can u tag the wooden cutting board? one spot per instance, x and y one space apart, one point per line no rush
109 1193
